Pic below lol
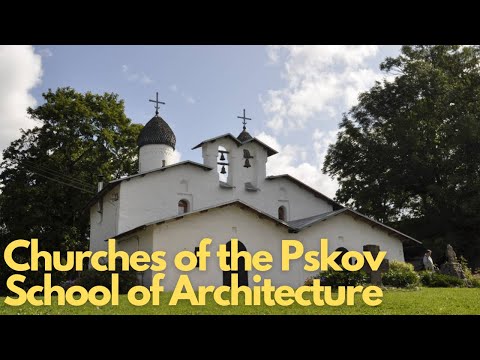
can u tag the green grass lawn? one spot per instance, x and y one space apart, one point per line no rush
422 301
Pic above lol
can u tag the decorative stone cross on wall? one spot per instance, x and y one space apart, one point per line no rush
375 276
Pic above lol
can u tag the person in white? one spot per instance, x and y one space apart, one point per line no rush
427 261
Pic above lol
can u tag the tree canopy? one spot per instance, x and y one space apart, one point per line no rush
409 153
50 172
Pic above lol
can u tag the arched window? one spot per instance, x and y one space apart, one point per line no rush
282 213
183 207
222 164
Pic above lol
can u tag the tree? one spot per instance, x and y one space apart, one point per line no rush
409 153
49 173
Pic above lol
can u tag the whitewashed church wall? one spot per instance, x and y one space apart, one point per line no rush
139 241
299 202
153 156
221 225
155 196
345 231
104 225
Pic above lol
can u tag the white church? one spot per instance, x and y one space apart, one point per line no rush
172 206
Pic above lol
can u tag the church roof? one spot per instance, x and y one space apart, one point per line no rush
239 143
292 226
244 136
109 186
237 202
181 163
318 194
308 221
156 131
300 224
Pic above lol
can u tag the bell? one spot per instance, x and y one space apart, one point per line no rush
222 157
247 163
223 170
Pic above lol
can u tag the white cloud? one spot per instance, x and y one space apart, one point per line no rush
139 77
188 98
45 52
291 159
320 81
20 71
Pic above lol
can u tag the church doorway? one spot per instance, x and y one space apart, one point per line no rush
242 273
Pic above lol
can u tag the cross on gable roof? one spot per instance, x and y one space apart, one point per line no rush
270 151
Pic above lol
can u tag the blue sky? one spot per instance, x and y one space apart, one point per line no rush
295 94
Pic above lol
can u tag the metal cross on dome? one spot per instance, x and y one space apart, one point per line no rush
157 106
244 119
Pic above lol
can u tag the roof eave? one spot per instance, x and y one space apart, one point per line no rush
116 182
240 203
309 188
212 140
97 196
270 151
391 231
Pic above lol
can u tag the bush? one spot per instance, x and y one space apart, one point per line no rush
472 280
91 277
309 281
475 282
400 275
432 279
466 270
342 278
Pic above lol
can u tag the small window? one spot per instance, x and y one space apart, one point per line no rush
183 207
282 213
197 249
163 163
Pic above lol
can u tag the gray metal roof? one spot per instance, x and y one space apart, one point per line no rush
157 131
237 202
114 183
239 143
317 193
244 136
292 226
186 162
300 224
305 222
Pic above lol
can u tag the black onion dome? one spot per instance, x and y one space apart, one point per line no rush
244 136
157 131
